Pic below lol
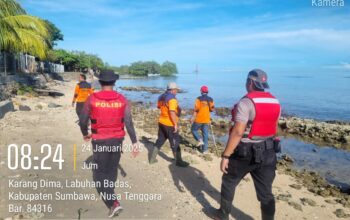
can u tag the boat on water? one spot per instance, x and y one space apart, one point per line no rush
153 75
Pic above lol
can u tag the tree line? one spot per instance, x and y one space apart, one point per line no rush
75 60
145 68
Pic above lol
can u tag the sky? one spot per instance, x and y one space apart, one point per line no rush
216 35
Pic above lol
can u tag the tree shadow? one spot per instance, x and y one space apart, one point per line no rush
196 183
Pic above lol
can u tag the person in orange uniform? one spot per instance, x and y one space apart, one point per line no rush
201 118
82 91
168 125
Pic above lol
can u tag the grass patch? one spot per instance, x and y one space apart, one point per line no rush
26 90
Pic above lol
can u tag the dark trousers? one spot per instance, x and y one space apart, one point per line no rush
167 133
79 107
263 175
107 162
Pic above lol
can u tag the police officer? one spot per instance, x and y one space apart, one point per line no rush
109 112
81 92
168 125
201 118
251 147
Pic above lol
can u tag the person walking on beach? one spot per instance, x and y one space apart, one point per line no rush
82 91
168 125
109 112
252 146
201 118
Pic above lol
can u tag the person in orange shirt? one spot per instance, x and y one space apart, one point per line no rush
168 125
201 118
82 91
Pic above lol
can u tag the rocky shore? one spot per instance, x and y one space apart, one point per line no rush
152 90
329 133
146 119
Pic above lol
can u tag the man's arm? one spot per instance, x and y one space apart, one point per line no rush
129 124
84 118
211 106
235 137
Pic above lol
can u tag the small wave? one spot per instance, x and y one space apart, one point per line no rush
299 77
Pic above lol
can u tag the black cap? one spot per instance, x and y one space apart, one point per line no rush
108 76
259 78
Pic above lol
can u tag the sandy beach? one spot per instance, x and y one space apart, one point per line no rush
172 192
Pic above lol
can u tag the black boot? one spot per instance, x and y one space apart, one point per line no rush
224 212
268 210
178 159
154 154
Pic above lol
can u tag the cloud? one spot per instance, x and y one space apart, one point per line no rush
341 65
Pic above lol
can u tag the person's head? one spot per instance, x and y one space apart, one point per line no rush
204 90
172 88
82 78
256 81
107 79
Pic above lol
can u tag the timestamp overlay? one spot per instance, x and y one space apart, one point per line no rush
55 181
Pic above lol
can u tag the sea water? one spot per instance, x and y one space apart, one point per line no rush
322 96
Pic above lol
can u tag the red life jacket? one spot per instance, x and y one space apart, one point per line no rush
107 115
267 112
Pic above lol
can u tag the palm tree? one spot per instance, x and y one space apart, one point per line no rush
20 32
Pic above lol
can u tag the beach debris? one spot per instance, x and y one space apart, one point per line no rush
45 92
341 214
287 158
345 201
296 186
331 201
53 105
207 157
284 197
80 212
33 175
295 205
190 159
307 201
24 108
39 107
